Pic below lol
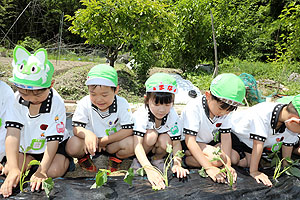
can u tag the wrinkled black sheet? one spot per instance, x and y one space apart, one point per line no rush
195 188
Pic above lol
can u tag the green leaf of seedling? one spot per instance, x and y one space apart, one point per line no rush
169 148
179 154
94 186
141 171
217 151
289 160
129 176
202 173
48 185
223 170
215 159
28 148
274 162
22 148
293 171
101 177
33 162
26 173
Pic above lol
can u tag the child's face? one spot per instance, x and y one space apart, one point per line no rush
215 107
34 96
293 124
159 110
102 96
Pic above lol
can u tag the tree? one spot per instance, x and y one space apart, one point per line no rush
117 23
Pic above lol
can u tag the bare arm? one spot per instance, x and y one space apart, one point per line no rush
197 152
154 177
41 174
12 143
255 158
117 136
226 147
177 168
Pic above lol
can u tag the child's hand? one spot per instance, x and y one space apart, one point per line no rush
181 172
10 182
155 178
215 175
37 179
233 172
91 143
261 177
101 144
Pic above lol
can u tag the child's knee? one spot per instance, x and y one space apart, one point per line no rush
58 167
162 141
235 158
74 145
151 139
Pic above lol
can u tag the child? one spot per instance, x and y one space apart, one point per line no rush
40 118
155 125
265 125
102 120
7 112
202 122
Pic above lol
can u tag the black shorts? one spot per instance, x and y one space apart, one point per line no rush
240 147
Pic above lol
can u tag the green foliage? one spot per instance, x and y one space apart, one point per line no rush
48 185
226 170
101 177
289 169
202 173
24 173
30 44
115 24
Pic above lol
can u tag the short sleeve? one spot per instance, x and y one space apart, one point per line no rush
140 119
190 119
126 119
81 114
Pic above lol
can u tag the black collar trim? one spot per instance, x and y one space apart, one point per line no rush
275 117
206 109
46 105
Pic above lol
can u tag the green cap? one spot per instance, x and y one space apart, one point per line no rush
285 99
161 82
31 71
296 103
102 75
229 88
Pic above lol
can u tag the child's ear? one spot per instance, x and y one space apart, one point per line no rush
117 89
208 95
52 83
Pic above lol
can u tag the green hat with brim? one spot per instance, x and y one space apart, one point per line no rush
285 99
31 71
296 103
229 88
102 75
161 82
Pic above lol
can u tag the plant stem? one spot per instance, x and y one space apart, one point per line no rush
22 173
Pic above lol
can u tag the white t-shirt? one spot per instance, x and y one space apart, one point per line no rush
89 116
48 125
196 121
259 122
7 112
144 120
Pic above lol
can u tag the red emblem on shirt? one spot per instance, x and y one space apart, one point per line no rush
60 127
218 124
43 127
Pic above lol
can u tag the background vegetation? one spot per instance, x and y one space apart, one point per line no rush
259 37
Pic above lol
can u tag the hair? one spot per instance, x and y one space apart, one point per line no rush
224 106
159 97
34 92
291 109
92 87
